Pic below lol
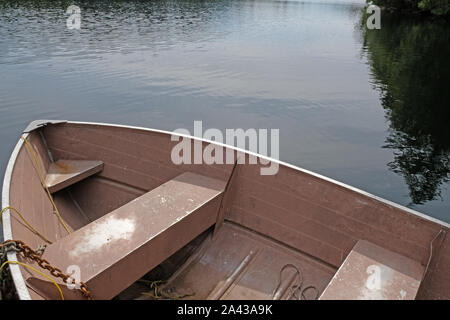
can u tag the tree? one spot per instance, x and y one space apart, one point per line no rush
435 7
410 66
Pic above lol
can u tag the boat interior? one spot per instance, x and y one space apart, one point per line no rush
138 226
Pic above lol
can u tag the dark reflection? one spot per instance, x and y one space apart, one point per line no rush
410 65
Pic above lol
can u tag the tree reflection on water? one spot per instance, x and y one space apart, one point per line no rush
410 66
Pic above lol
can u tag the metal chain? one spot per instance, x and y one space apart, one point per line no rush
27 252
40 249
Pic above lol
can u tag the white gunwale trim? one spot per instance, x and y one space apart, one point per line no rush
22 289
19 282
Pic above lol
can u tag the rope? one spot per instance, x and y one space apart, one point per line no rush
28 253
35 270
160 293
296 287
26 222
41 178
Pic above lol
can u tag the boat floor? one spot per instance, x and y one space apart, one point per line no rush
239 264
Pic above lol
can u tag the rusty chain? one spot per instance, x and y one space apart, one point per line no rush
27 252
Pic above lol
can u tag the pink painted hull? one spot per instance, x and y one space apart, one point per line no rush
294 215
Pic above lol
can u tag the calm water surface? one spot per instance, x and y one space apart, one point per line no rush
369 108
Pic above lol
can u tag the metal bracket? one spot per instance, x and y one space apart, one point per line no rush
36 124
224 202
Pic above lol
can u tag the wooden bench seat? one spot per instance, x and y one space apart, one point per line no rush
119 248
64 173
371 272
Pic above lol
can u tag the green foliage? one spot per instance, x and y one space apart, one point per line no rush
435 7
410 66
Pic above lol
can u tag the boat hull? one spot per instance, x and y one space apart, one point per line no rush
301 210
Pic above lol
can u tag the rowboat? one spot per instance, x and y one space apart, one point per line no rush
100 211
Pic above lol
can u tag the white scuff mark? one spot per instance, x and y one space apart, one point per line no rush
402 294
367 294
361 202
145 203
102 233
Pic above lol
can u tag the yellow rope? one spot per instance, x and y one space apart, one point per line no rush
42 274
41 177
26 222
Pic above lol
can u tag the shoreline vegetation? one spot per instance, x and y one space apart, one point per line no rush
437 8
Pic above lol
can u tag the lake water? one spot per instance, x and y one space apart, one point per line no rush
366 107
